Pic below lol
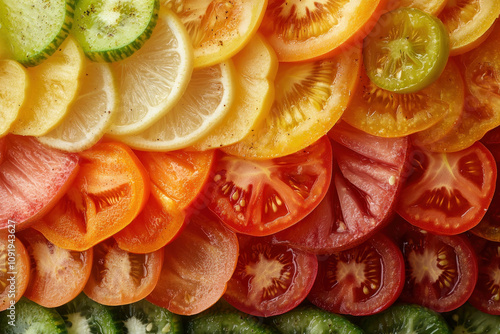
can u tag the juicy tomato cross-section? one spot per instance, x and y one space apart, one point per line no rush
109 191
362 280
448 193
261 197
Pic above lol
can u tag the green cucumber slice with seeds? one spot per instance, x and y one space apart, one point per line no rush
29 317
82 315
310 319
144 317
469 320
404 319
112 30
35 29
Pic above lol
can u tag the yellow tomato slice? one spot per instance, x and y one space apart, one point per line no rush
310 98
218 29
468 22
433 7
308 29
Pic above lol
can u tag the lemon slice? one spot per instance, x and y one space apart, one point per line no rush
256 66
208 98
90 114
153 79
13 89
53 86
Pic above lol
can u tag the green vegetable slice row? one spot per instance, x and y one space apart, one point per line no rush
406 51
83 315
112 30
29 317
35 28
469 320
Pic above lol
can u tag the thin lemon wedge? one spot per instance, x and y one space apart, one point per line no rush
153 79
13 89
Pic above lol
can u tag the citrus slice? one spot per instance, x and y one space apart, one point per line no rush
256 67
89 115
206 101
310 98
36 28
53 86
111 30
13 89
218 29
153 79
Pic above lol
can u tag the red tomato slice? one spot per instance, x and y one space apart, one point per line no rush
197 266
448 193
486 295
57 275
119 277
362 280
366 177
441 271
14 268
110 190
270 279
261 197
32 179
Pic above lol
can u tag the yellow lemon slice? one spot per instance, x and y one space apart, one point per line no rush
208 98
53 86
13 89
153 79
90 114
256 66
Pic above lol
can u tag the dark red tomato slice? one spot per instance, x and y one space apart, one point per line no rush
441 270
270 279
119 277
367 174
262 197
486 295
448 193
57 275
197 266
32 179
491 137
363 280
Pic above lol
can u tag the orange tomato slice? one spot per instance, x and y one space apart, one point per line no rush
433 7
307 29
109 191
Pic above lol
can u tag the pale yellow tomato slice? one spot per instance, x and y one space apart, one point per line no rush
13 90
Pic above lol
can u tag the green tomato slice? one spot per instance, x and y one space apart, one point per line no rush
406 51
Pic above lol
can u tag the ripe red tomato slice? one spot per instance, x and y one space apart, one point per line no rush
109 191
261 197
441 270
366 177
14 268
32 179
197 266
448 193
362 280
270 279
119 277
486 295
57 275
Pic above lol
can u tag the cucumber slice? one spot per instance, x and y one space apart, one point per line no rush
35 28
144 317
112 30
469 320
29 317
84 316
309 319
405 318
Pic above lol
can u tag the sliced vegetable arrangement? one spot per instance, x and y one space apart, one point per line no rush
249 166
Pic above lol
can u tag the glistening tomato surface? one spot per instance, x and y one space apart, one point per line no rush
441 271
32 179
261 197
448 193
270 279
367 174
362 280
